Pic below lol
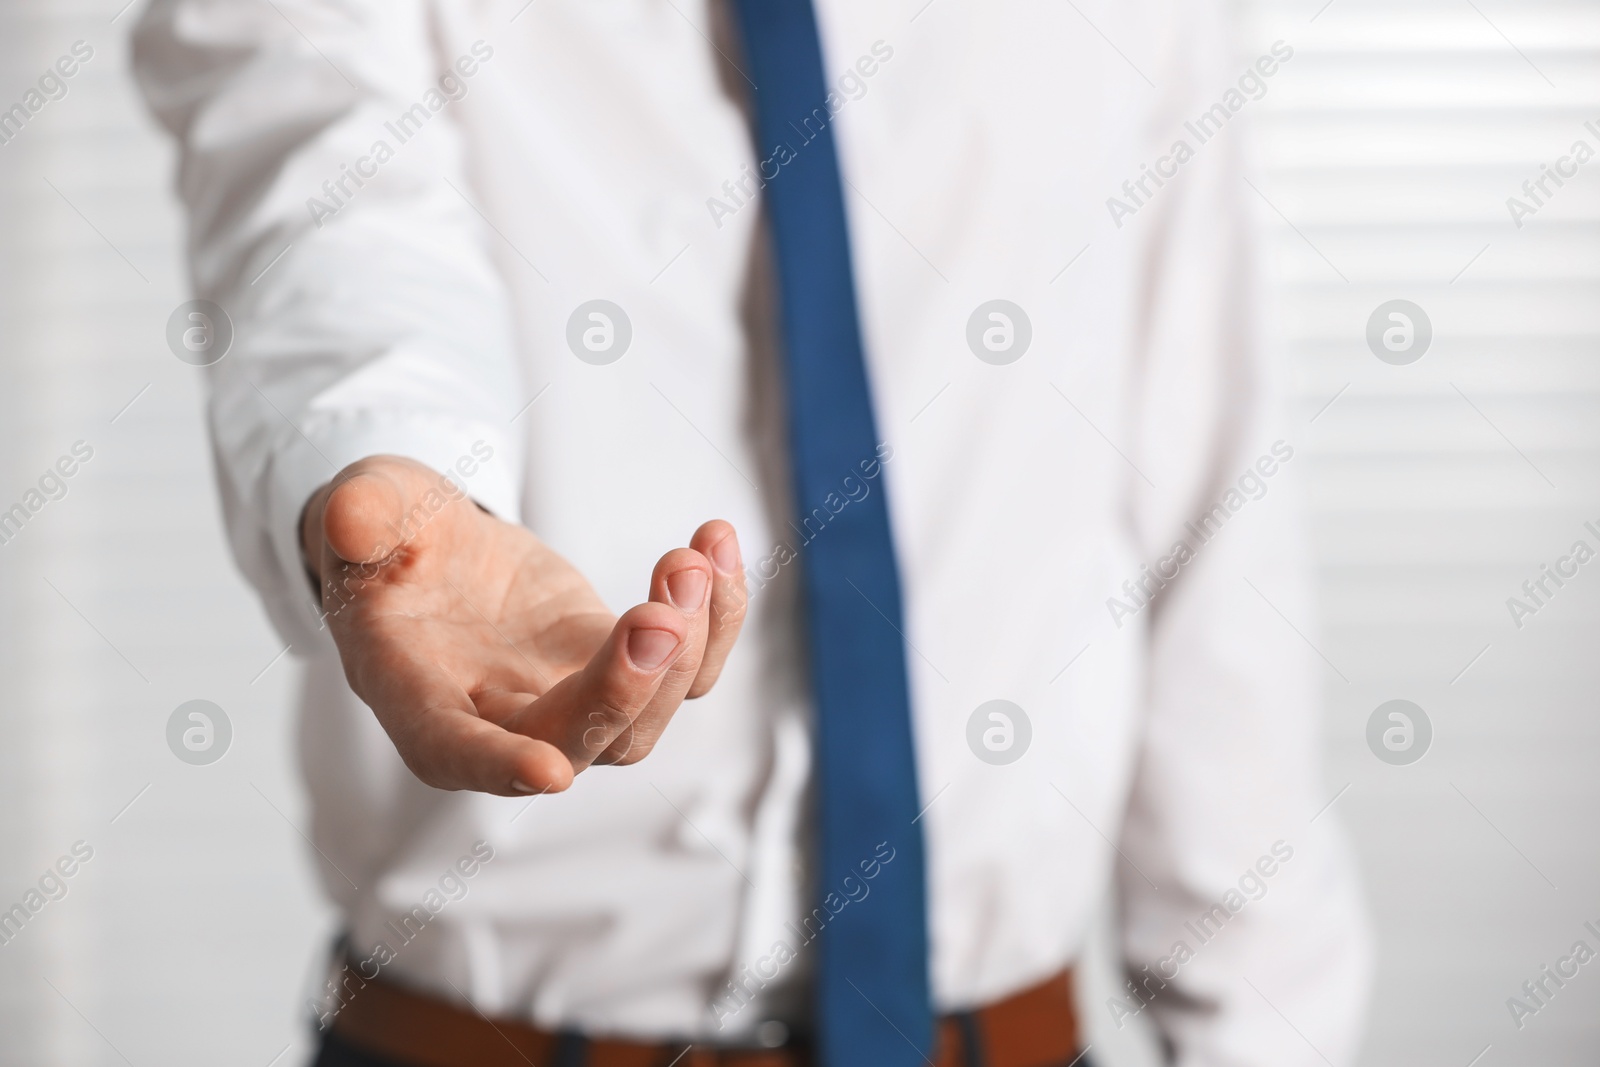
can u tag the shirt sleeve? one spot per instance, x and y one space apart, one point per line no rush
326 193
1242 926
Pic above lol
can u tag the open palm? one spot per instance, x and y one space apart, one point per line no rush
489 660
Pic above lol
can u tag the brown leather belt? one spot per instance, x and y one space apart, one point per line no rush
1037 1027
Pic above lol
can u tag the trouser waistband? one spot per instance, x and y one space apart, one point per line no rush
1036 1027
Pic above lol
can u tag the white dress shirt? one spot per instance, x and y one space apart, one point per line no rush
537 156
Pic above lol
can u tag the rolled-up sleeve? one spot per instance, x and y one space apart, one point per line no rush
368 316
1242 923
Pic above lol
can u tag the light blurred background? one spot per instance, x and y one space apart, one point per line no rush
1386 151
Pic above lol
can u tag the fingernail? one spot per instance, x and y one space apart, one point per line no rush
687 589
649 649
725 554
523 787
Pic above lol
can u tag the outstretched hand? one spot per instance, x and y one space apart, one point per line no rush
490 661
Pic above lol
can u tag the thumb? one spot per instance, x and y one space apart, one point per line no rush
380 504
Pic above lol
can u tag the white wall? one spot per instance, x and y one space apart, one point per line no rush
1390 143
1387 148
188 938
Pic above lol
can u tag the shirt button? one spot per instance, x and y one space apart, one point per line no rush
772 1034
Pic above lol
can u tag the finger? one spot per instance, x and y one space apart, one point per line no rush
586 711
718 542
499 705
473 753
447 745
682 578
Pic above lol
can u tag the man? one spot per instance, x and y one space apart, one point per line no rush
918 322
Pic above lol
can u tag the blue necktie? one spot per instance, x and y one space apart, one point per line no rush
872 1004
